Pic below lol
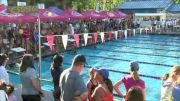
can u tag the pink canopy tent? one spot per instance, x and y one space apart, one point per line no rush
73 15
16 18
109 14
120 14
92 14
47 15
3 7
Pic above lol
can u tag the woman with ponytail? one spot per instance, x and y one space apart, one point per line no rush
104 89
131 80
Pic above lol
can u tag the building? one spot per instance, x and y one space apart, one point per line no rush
148 10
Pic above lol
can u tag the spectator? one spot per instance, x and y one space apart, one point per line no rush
130 81
135 94
31 89
104 90
175 73
71 83
56 70
166 89
91 84
3 73
9 92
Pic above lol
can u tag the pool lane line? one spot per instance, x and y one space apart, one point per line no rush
123 72
139 39
135 53
158 64
141 47
134 42
150 37
16 73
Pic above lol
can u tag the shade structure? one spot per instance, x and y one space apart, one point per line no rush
46 15
16 18
73 15
92 14
6 17
3 7
56 10
108 14
120 14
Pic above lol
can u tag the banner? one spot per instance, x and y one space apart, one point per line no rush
125 33
110 35
134 32
50 39
95 36
76 37
85 39
120 34
102 36
116 34
64 40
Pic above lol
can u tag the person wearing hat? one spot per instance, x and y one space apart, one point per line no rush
3 73
56 70
130 81
104 90
71 83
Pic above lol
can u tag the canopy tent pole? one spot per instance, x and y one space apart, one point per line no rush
39 34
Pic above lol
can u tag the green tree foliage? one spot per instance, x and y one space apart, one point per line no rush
177 1
79 5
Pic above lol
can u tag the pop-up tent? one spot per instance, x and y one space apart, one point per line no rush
120 14
47 15
92 14
73 15
108 14
56 10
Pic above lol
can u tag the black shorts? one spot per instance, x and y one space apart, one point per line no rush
31 97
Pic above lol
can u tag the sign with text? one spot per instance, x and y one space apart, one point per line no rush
23 9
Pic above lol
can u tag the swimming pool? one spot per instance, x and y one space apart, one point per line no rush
155 53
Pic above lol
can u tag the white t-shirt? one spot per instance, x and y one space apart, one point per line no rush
3 96
166 90
4 75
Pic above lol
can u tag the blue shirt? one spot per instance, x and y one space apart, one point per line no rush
176 93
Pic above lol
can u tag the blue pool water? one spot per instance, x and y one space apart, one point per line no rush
155 53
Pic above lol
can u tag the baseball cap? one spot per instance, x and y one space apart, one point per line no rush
80 59
134 66
103 72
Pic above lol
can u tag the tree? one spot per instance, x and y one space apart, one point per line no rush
177 1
